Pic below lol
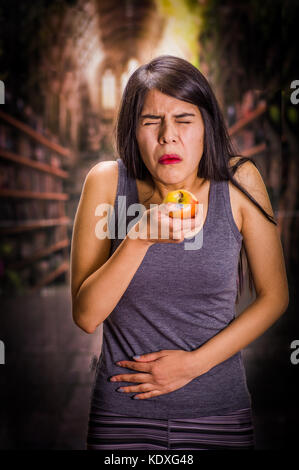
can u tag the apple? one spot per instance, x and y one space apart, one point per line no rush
185 201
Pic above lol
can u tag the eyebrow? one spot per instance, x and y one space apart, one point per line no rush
153 116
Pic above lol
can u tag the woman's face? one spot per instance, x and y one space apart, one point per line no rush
169 126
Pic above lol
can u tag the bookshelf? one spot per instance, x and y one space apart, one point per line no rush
34 241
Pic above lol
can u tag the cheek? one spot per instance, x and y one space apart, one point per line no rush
147 138
144 143
195 138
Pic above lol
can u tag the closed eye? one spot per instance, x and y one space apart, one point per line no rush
179 122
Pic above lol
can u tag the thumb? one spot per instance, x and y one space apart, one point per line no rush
166 207
163 208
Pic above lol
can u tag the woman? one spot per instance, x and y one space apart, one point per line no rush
170 337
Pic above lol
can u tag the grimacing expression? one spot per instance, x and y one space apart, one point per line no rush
170 126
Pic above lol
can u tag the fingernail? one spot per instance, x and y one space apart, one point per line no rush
136 357
135 398
120 390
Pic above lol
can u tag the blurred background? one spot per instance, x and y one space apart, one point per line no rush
63 67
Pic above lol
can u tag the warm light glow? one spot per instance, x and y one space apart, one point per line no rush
133 64
108 90
91 74
171 43
180 34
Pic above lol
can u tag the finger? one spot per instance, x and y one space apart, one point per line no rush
142 366
138 378
165 208
188 223
177 229
191 226
162 208
178 240
176 225
199 213
145 387
168 207
153 356
143 396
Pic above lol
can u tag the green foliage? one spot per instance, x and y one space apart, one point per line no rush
184 15
11 283
274 112
292 115
6 248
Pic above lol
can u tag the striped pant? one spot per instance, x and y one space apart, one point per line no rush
111 431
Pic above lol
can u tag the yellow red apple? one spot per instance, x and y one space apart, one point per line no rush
185 203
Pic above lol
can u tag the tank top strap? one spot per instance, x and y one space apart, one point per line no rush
126 194
223 208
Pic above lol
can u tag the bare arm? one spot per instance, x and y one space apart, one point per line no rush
98 283
102 290
265 256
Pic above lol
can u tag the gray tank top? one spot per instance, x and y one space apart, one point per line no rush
177 299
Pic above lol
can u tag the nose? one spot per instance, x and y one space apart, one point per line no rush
167 133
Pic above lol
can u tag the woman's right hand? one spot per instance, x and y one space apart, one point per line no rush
155 226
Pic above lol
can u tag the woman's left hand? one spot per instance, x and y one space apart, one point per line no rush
161 372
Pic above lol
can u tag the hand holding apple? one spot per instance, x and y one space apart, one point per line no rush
155 226
185 203
178 217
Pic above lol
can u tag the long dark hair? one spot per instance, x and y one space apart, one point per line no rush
178 78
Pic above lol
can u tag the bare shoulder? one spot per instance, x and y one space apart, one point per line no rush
102 179
261 238
103 166
249 177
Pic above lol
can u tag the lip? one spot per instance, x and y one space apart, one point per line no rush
166 159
